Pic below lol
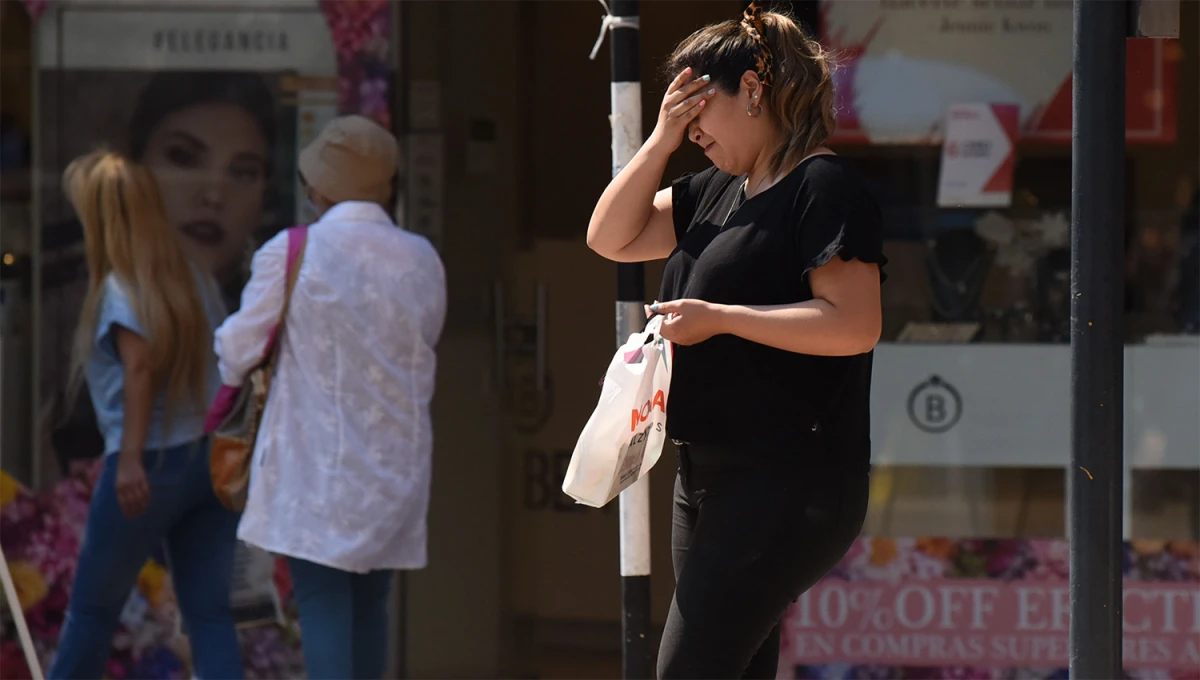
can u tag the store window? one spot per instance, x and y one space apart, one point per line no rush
216 99
16 149
216 105
971 395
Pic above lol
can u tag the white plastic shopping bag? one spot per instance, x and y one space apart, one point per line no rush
625 435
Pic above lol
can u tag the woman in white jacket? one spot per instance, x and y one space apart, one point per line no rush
341 472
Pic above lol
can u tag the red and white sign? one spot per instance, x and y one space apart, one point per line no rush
904 61
937 607
978 156
985 623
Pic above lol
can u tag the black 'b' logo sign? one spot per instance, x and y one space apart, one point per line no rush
935 406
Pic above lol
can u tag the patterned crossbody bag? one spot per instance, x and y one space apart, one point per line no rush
237 412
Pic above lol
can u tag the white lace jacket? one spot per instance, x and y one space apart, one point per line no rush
341 470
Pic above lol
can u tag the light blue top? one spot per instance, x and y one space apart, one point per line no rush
106 376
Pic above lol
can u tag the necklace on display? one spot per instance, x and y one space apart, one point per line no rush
964 290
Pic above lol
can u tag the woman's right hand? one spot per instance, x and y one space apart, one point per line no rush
685 99
632 221
133 491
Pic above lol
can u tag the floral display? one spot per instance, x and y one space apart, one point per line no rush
860 594
41 535
361 37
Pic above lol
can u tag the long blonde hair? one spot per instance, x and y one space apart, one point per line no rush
126 233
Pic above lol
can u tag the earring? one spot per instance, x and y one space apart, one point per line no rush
753 109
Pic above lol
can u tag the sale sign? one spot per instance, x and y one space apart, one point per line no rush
943 608
978 156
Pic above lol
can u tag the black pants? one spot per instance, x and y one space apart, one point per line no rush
750 534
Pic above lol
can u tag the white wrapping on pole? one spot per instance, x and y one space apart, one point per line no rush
626 122
637 654
608 23
635 530
635 500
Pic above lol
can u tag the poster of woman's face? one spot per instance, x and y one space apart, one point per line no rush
211 139
212 163
224 164
215 103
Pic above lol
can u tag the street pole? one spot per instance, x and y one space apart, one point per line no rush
1097 341
637 657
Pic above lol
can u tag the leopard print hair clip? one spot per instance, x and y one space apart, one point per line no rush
764 61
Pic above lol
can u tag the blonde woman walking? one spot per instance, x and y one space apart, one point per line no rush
144 348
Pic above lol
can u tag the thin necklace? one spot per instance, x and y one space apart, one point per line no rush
759 183
735 204
743 195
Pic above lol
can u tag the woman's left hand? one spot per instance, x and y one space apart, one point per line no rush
688 322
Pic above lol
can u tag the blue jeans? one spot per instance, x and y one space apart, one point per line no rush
200 537
343 620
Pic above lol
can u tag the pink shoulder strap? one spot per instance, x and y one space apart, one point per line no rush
227 394
296 238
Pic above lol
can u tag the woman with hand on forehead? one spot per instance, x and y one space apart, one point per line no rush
771 296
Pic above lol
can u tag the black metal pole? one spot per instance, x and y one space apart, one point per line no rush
1097 343
637 652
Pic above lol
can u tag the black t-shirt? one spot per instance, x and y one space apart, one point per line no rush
727 391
